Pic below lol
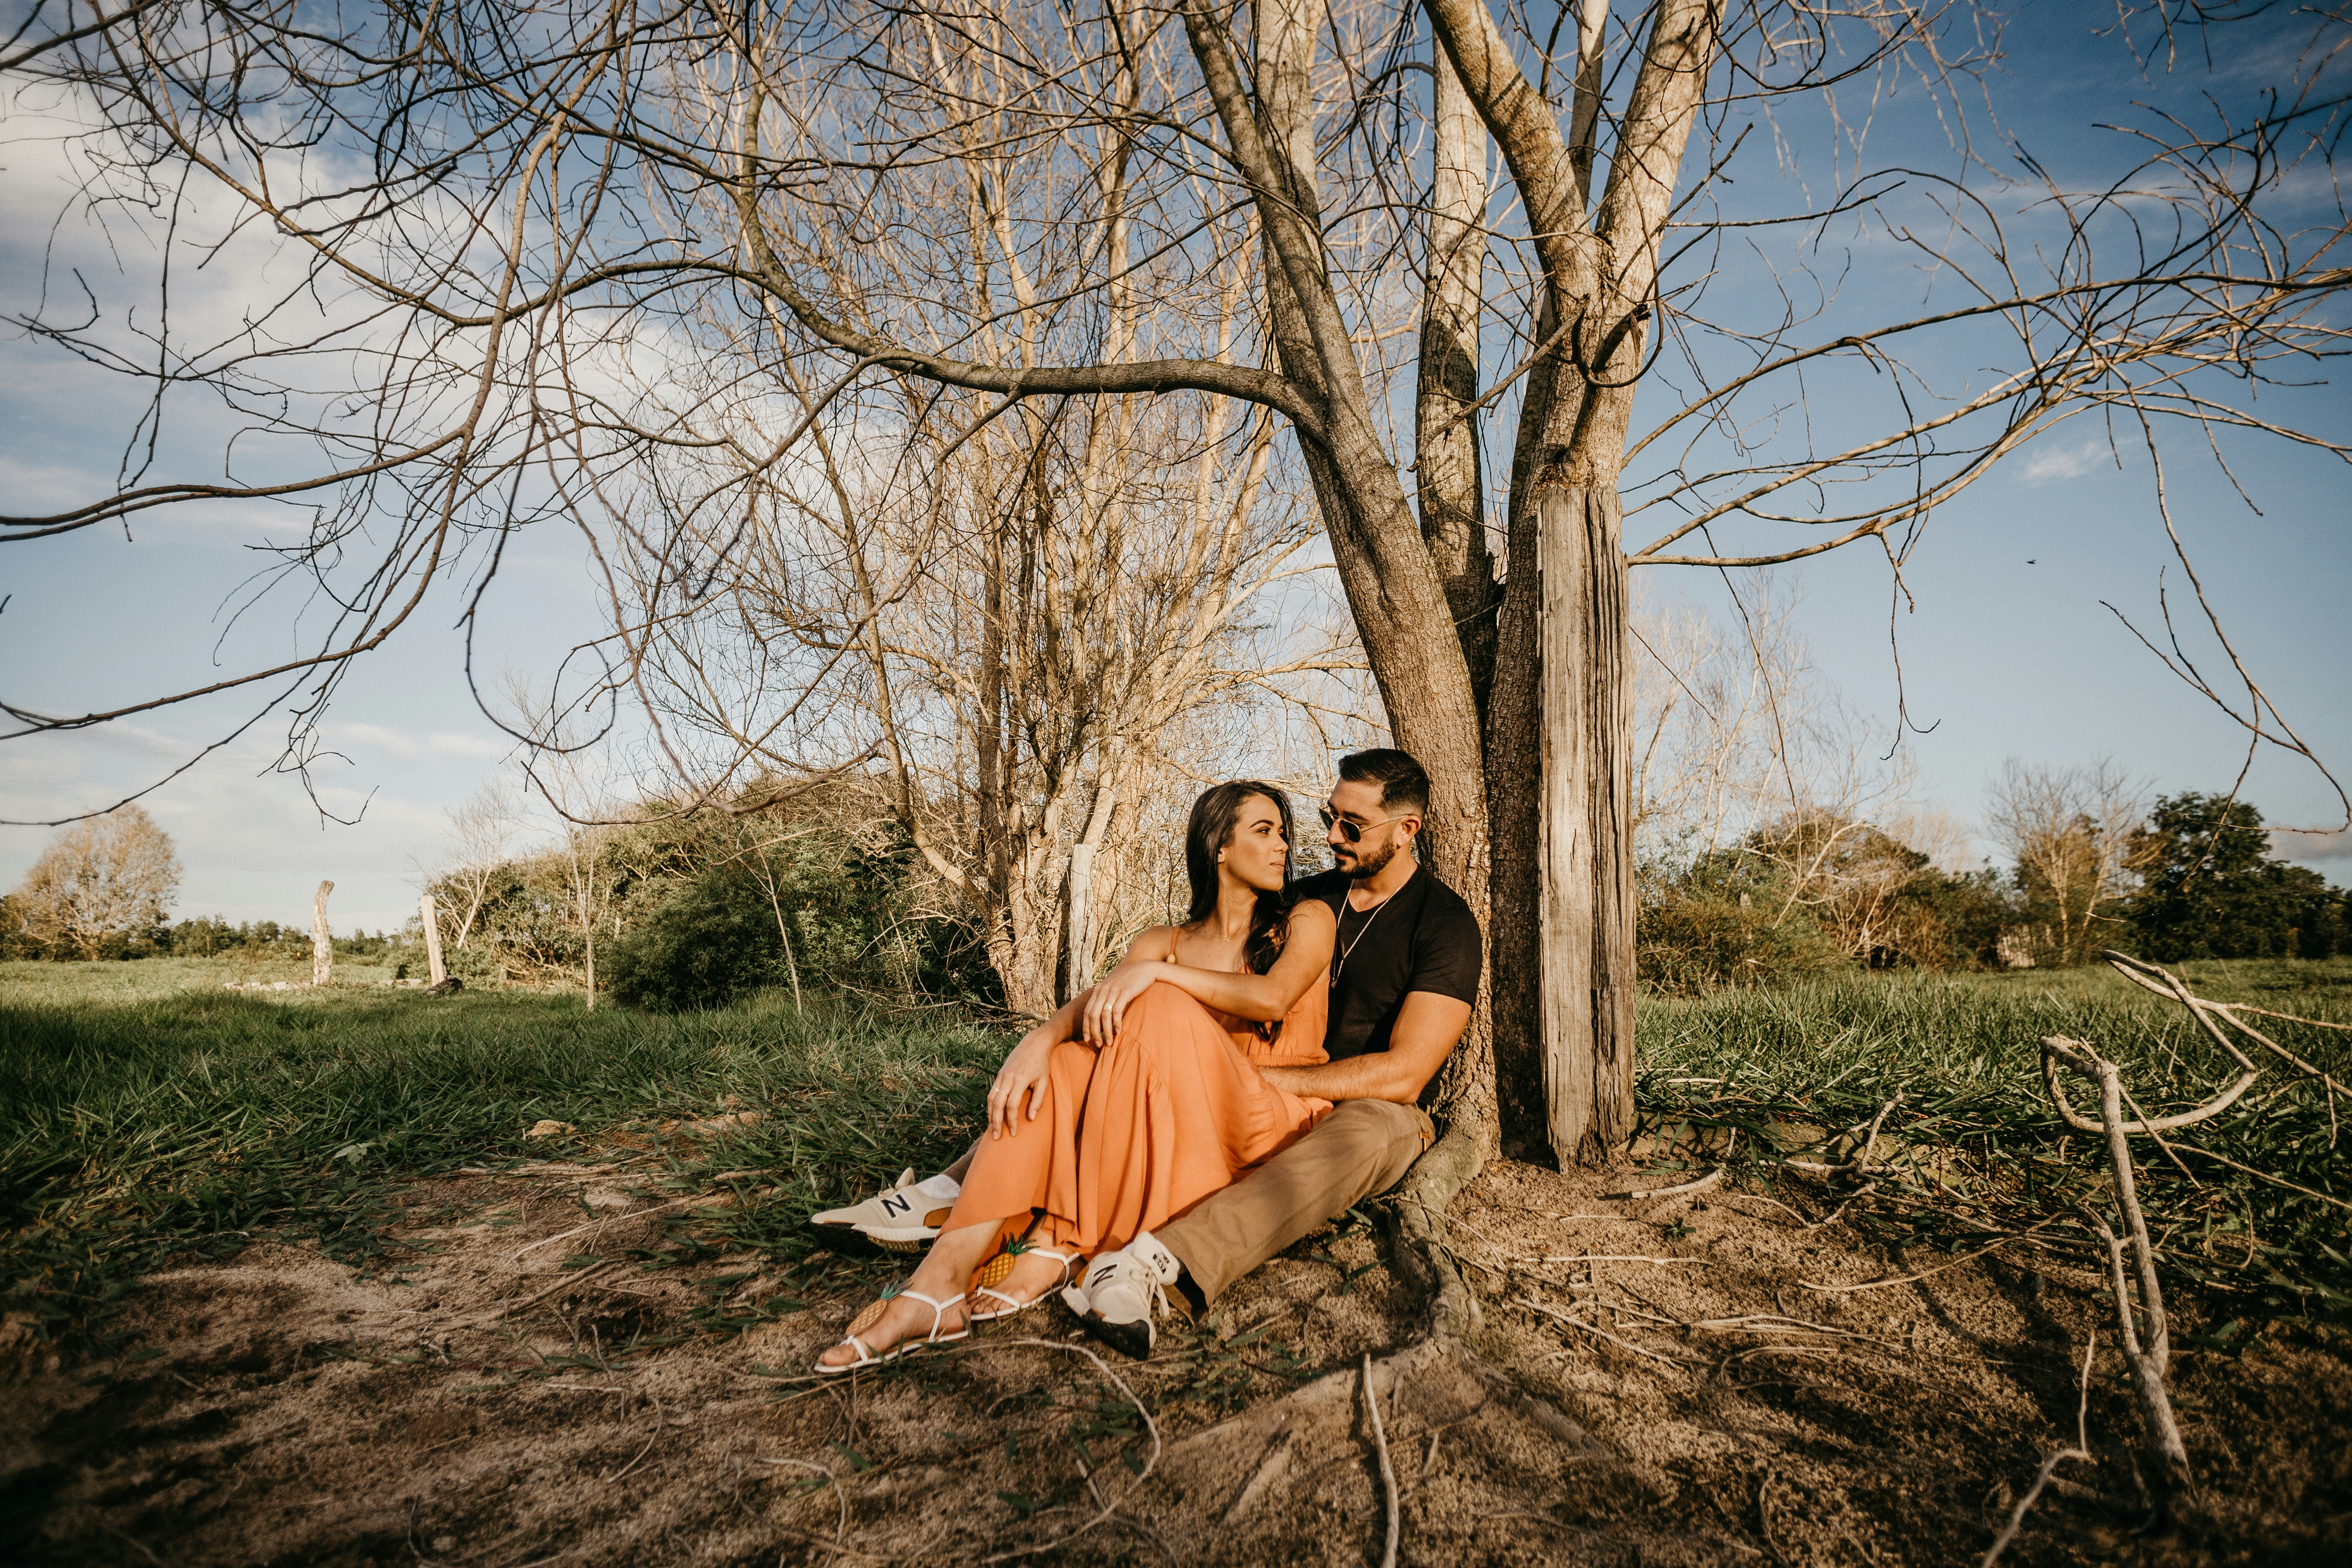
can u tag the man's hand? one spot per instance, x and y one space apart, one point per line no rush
1022 1077
1106 1005
1427 1026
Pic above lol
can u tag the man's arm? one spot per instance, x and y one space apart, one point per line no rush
1306 958
1427 1028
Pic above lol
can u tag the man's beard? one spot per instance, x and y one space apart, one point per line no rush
1371 863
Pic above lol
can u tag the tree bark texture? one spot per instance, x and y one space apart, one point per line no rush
1445 447
1588 975
1560 659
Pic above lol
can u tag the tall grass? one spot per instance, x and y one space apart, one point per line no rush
1964 1053
147 1113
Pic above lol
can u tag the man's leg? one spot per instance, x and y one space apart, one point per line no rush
1363 1147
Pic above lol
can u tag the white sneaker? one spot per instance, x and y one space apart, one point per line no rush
1121 1293
903 1217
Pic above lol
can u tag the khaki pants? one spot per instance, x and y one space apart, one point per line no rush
1363 1147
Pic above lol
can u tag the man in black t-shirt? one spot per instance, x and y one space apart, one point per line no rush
1404 977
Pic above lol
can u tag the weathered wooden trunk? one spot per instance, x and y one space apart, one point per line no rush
1586 856
323 947
431 915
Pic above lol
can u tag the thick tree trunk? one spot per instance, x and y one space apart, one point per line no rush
1393 587
1446 442
1514 815
431 918
1561 655
1587 840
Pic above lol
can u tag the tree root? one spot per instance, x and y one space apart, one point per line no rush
1437 1378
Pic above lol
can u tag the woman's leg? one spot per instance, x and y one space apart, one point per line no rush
942 1276
1009 1179
1171 1111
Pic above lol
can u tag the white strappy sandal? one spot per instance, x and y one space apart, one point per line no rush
1012 1308
865 1356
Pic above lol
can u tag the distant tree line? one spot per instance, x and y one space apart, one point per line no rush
823 891
1815 892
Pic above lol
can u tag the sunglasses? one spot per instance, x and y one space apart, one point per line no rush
1354 832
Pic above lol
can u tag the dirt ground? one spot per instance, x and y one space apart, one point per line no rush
1658 1382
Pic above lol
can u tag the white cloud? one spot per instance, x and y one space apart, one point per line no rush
2048 464
441 743
2311 848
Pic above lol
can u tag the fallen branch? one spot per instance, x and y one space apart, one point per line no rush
2265 1175
561 1285
842 1529
607 1219
1387 1473
655 1436
1575 1322
1924 1273
1604 1257
2149 1359
1860 1164
1699 1185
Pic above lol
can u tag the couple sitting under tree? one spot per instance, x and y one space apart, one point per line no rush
1235 1083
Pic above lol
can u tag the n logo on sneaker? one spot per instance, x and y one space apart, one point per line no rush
895 1205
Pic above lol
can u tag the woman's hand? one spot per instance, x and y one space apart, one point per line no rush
1106 1005
1022 1077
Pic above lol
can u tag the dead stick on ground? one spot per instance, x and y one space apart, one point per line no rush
1388 1474
1560 1317
2081 1450
2266 1177
2147 1356
1924 1273
1700 1185
608 1219
631 1466
561 1285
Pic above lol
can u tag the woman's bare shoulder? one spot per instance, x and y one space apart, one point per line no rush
1154 942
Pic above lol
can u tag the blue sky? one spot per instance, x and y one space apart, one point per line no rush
2006 650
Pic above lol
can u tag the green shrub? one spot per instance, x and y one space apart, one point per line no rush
1726 921
714 939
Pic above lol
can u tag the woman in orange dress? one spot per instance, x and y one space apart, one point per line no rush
1139 1096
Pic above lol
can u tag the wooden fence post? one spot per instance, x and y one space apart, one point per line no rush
432 938
323 947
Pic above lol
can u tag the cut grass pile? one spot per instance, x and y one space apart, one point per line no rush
1976 1151
146 1113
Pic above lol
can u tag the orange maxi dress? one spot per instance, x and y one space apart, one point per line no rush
1133 1135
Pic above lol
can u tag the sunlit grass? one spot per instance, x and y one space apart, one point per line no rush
146 1112
1964 1053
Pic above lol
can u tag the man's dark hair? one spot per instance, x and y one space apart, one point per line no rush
1405 783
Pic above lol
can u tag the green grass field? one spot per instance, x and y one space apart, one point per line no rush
149 1113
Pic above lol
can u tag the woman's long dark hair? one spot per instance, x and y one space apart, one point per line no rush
1210 830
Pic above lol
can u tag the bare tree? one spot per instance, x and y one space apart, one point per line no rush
100 881
514 293
481 829
2068 829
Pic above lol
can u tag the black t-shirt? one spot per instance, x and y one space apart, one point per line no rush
1423 937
